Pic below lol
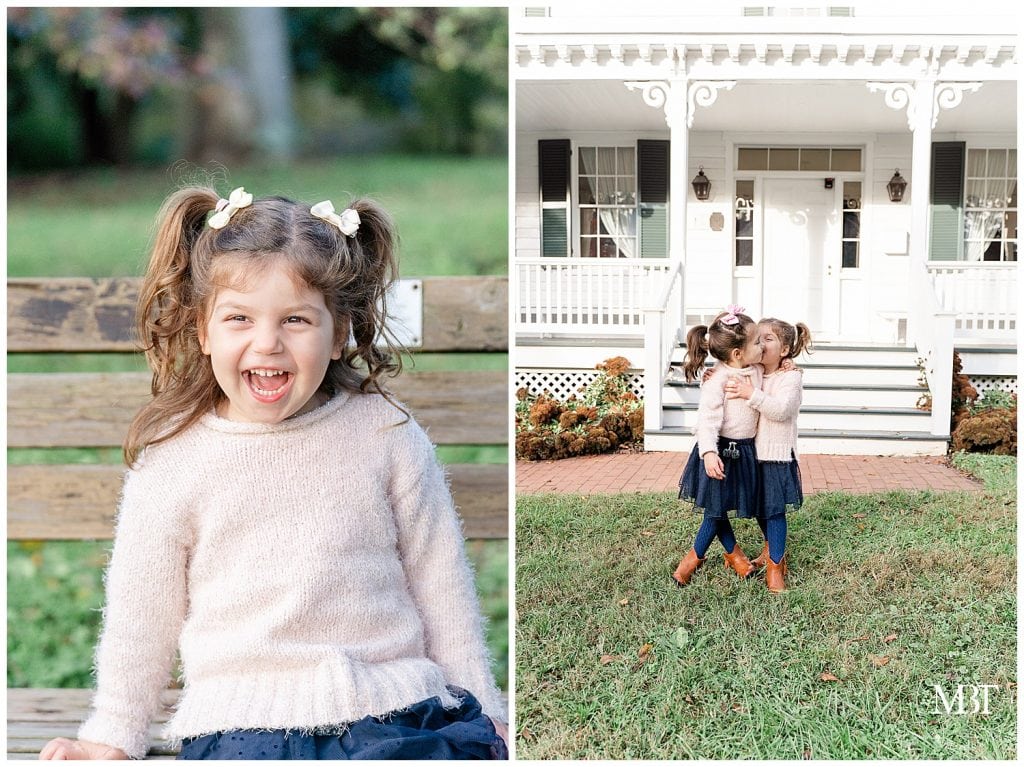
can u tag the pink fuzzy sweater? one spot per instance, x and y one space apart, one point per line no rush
310 572
718 416
778 402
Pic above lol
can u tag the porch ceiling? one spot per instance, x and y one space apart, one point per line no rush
777 106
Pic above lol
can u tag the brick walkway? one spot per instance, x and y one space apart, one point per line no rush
653 472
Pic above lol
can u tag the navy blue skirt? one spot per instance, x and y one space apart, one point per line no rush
737 494
781 488
425 730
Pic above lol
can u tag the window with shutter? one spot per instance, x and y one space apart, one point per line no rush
554 172
652 181
947 236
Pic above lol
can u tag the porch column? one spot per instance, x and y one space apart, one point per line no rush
920 119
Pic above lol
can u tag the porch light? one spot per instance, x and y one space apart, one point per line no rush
896 186
701 185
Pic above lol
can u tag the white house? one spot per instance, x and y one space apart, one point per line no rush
862 164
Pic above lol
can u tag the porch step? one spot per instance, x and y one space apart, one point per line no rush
822 442
828 417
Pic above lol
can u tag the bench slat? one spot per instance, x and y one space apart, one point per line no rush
79 501
90 315
94 409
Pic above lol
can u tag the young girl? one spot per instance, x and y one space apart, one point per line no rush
721 474
284 523
778 402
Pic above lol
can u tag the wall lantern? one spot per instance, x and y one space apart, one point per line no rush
701 185
896 186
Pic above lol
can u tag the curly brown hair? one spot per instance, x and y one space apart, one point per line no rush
190 261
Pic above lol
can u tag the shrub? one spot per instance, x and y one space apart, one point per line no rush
987 430
606 414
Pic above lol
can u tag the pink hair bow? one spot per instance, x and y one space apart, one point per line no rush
732 310
347 222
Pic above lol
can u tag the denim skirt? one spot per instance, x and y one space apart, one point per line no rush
425 730
781 488
736 495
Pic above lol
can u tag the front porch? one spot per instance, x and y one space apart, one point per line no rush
861 394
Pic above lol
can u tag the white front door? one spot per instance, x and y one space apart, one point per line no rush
799 268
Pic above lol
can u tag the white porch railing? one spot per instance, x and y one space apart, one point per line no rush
982 295
933 335
590 296
662 322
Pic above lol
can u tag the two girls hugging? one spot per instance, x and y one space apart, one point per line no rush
745 461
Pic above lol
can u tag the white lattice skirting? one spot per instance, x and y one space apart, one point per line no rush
991 383
562 384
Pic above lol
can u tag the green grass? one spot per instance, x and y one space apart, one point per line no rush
890 593
451 213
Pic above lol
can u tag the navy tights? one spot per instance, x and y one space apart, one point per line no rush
774 531
709 529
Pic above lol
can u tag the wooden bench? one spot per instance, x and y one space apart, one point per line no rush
92 410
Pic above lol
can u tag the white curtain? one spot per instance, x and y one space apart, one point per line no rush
981 228
619 223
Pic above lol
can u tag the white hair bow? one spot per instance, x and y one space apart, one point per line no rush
347 222
226 208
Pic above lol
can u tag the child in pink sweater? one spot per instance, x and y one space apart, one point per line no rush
778 403
721 474
284 525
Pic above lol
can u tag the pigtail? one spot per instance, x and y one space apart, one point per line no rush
367 268
696 352
166 324
802 342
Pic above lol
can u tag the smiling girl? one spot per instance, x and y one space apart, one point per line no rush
284 524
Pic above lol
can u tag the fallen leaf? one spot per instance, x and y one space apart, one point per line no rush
623 602
606 659
859 516
862 638
647 533
878 660
827 677
688 699
525 734
645 652
807 754
737 707
889 638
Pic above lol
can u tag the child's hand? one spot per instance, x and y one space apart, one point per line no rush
713 466
739 387
65 748
787 364
501 728
708 372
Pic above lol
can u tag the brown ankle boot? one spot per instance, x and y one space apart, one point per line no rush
761 558
688 565
738 561
775 576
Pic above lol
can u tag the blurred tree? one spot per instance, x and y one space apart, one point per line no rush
104 60
443 70
463 53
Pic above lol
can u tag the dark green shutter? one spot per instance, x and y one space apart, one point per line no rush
652 160
947 200
555 178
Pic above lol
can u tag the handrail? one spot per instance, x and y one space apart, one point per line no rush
661 327
933 328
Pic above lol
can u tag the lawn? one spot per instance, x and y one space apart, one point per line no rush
452 218
889 595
